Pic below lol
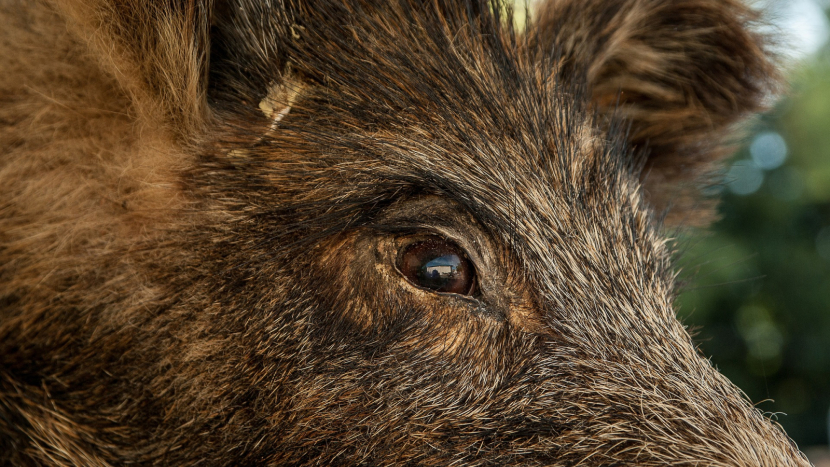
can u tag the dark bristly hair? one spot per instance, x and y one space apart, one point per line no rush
210 212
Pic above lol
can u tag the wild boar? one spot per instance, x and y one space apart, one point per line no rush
365 232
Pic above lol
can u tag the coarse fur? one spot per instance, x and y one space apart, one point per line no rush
202 205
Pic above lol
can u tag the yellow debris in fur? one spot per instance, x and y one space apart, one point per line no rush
281 97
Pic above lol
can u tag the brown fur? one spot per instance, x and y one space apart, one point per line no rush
201 206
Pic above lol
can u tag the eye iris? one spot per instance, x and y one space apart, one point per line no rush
438 265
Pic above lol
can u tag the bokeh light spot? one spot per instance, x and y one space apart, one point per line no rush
768 150
744 178
763 339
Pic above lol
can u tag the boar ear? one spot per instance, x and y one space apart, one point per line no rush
682 72
156 50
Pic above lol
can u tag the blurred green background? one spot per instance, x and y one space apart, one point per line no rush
757 284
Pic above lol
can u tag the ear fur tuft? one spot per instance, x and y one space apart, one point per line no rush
682 72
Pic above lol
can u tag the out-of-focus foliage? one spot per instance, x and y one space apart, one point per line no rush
758 285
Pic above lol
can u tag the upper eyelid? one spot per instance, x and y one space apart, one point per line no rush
437 216
423 221
408 225
468 244
398 227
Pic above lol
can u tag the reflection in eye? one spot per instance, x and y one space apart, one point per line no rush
438 265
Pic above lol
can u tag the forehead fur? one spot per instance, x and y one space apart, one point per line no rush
439 99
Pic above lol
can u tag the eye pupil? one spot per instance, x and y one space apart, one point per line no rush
438 265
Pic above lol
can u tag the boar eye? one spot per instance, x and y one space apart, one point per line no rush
439 265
